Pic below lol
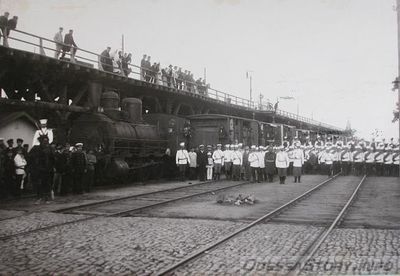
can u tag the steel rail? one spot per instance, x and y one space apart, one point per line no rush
6 237
227 237
312 249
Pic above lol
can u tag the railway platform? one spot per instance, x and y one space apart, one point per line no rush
341 225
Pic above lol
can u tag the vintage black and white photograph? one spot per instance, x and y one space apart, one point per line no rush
199 137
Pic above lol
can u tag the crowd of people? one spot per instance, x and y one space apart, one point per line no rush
259 163
49 169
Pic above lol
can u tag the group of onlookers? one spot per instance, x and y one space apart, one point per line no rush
259 163
116 62
48 169
171 76
6 25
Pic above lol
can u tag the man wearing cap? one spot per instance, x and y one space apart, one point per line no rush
218 157
41 168
395 165
245 171
379 159
358 160
346 160
10 146
43 130
78 165
269 161
388 161
193 164
182 160
261 170
369 156
254 164
298 161
237 160
202 163
228 161
282 163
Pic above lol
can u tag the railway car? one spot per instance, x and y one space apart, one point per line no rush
225 129
134 147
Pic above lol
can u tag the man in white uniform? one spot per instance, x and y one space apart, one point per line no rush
182 160
43 131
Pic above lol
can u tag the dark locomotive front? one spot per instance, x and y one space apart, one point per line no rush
133 147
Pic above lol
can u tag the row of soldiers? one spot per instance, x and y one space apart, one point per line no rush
260 163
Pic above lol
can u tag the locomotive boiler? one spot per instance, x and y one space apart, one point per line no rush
133 147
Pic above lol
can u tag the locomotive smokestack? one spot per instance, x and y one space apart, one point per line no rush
133 108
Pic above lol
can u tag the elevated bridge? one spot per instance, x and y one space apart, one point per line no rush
38 83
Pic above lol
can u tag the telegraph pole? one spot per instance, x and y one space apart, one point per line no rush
398 46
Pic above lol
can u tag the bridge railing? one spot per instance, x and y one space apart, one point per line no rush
23 40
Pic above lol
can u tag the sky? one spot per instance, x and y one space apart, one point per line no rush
337 58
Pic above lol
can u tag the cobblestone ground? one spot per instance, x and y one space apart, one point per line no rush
266 249
122 246
358 251
34 221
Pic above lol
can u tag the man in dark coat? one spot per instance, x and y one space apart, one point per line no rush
269 160
12 24
10 146
41 167
202 163
70 44
79 168
106 61
4 23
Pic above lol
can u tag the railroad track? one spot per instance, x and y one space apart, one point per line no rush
124 206
309 252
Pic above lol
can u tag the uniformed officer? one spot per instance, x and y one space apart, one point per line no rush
245 171
254 163
202 163
282 163
395 165
358 160
298 161
42 131
182 160
369 156
388 161
218 157
261 171
228 161
269 161
327 160
346 160
237 160
379 159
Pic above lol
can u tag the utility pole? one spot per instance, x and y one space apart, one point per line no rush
249 76
398 48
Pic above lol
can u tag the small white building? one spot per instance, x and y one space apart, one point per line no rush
17 125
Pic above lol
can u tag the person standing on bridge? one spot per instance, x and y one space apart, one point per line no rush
3 27
70 45
12 24
105 60
58 39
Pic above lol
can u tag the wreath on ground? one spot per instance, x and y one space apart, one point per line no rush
236 200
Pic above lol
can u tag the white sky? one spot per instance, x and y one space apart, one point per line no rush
337 57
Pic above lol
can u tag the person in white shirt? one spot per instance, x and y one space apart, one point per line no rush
346 160
182 160
327 159
298 161
20 164
282 163
358 160
193 164
210 165
58 39
237 161
254 163
218 157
